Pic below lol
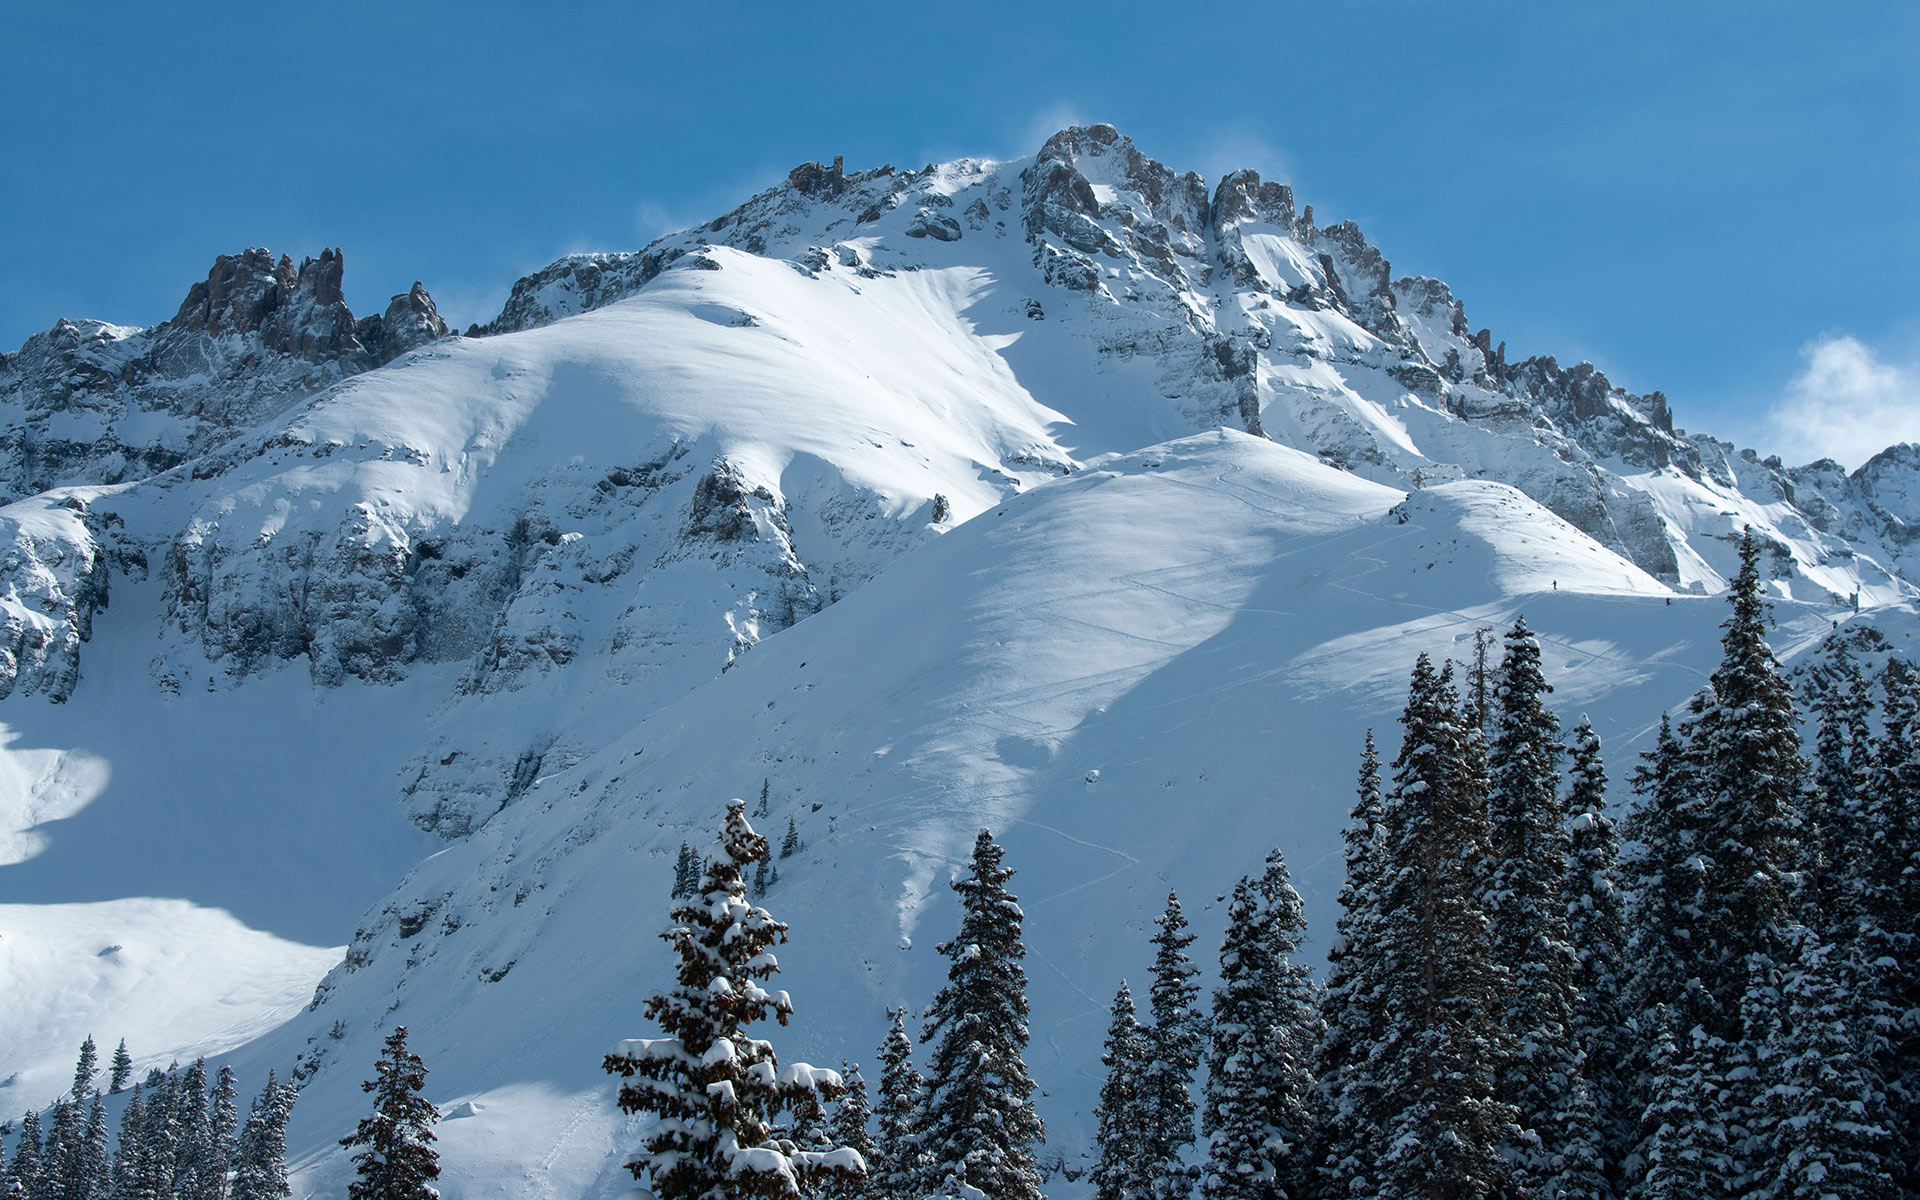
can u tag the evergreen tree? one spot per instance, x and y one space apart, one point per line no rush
1442 1042
1121 1174
1842 705
159 1139
900 1161
1821 1128
1260 1097
85 1071
848 1128
397 1160
686 873
1558 1153
1687 1151
222 1115
55 1181
197 1170
979 1126
1744 751
94 1163
124 1173
1353 1002
23 1170
790 844
122 1070
760 880
766 790
260 1160
1166 1085
1596 925
1888 877
718 1089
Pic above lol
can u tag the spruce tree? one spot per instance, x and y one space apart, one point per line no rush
1596 925
222 1116
1685 1138
686 873
397 1160
717 1089
1352 1005
196 1169
979 1126
57 1152
900 1160
1889 881
260 1159
1744 750
1166 1086
848 1128
1442 1043
790 844
23 1169
124 1174
1260 1112
1821 1132
122 1070
94 1163
1526 900
1120 1173
158 1138
1842 705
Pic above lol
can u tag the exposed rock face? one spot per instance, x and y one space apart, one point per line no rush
88 402
1224 307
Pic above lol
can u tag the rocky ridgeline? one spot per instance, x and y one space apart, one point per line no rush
1244 309
89 403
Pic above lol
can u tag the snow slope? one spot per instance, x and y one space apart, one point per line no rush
1141 677
906 494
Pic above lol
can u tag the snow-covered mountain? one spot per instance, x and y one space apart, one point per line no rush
1064 495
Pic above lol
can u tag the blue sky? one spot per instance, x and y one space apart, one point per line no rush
1714 200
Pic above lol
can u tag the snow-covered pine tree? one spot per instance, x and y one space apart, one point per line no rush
23 1169
979 1127
1558 1153
260 1159
1174 1039
1684 1135
766 791
159 1138
121 1071
1260 1111
1842 705
397 1160
1118 1118
760 880
56 1179
1744 751
1351 1005
94 1163
124 1173
899 1165
686 873
1821 1131
1889 879
1596 925
718 1089
848 1127
197 1170
790 845
222 1116
1442 1043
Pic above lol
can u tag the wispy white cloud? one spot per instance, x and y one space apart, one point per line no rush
1228 148
1047 122
1848 403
